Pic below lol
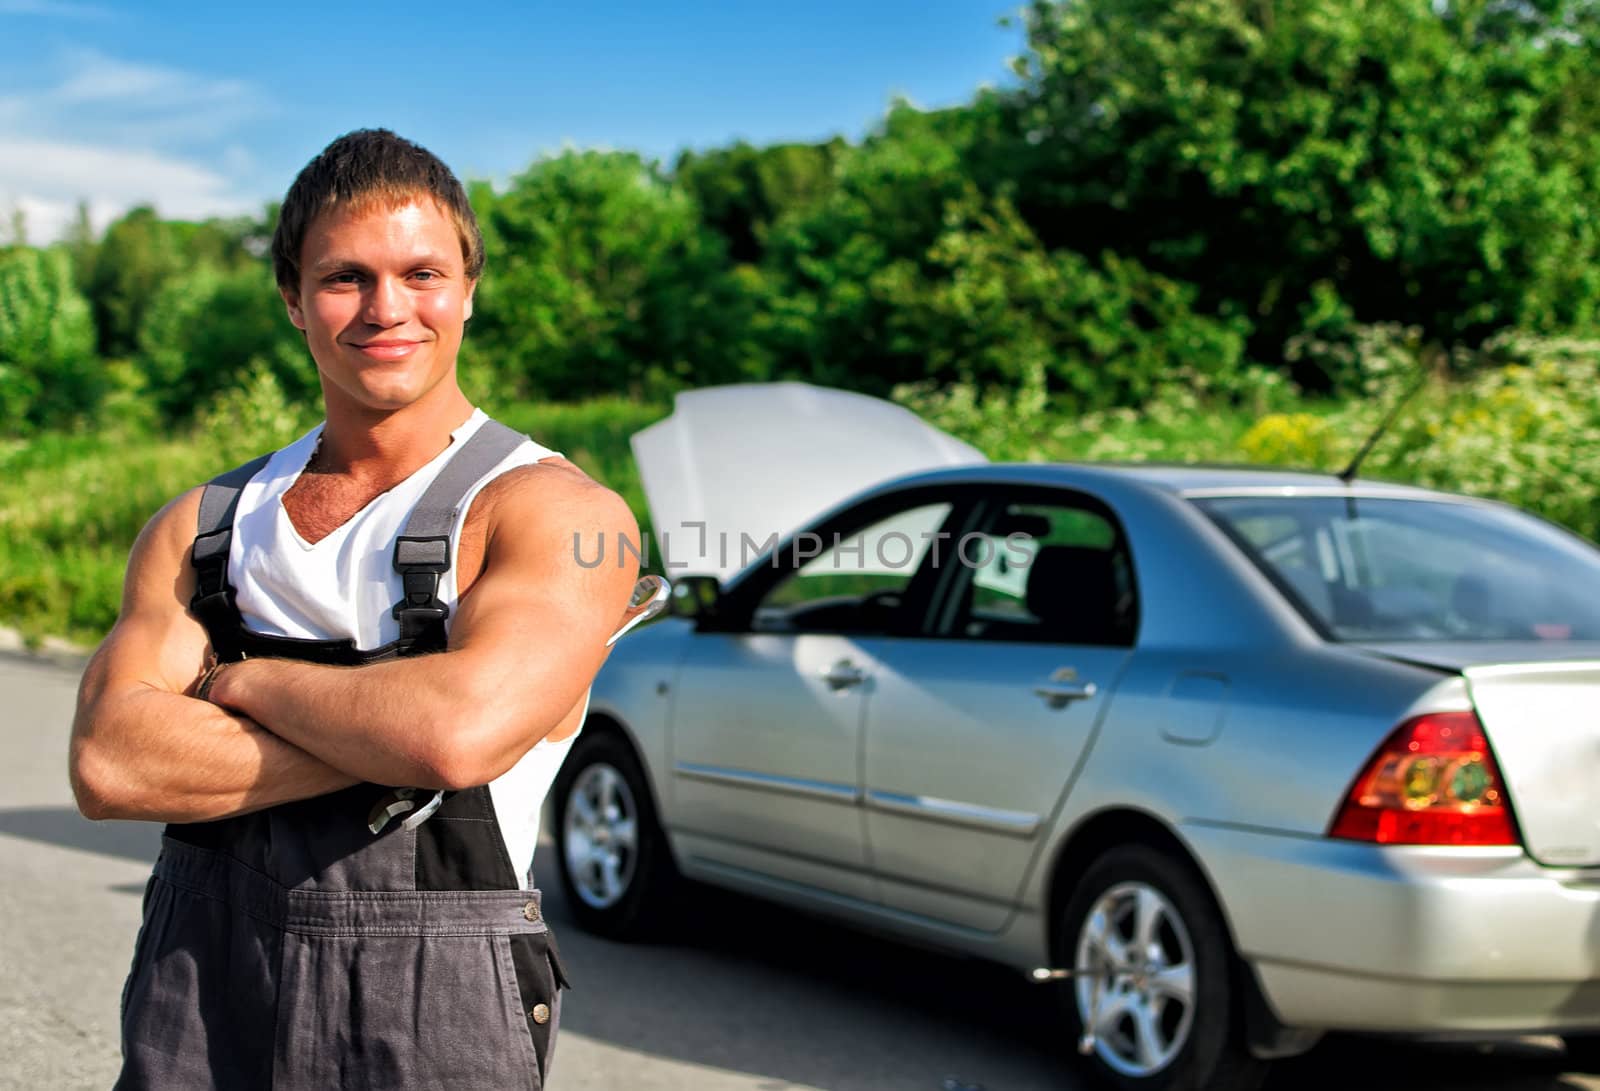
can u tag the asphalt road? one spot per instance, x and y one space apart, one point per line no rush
744 997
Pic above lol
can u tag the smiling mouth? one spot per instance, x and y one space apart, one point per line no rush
389 350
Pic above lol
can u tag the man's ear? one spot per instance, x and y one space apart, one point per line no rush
466 308
291 300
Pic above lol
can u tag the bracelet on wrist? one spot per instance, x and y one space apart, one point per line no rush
202 692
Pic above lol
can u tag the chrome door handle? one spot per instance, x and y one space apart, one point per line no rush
843 675
1062 694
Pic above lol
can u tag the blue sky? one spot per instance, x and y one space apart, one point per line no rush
210 109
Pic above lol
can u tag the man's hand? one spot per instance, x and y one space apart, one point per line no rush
141 747
525 645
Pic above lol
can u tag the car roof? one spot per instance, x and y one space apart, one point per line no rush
1189 480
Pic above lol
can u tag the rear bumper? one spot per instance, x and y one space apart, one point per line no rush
1346 936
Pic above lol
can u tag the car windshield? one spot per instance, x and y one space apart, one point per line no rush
1381 569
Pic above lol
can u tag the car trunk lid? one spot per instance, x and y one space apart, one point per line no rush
1540 707
1543 721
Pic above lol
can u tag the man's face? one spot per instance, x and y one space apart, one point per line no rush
383 300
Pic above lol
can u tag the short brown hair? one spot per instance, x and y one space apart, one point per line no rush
365 168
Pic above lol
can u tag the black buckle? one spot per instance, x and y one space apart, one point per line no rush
420 615
420 562
422 554
209 556
211 548
215 603
421 588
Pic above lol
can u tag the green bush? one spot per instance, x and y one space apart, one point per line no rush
1526 431
1185 421
602 280
49 375
989 304
1429 163
1517 421
208 330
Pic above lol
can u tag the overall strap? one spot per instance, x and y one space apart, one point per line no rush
213 602
422 551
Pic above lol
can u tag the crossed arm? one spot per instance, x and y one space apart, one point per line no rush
524 646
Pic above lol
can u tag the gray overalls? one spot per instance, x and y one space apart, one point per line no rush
292 947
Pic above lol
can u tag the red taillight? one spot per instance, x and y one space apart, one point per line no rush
1433 782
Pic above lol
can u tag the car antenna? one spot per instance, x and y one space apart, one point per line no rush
1348 474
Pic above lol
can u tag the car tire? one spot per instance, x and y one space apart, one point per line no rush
1149 1038
1583 1052
616 866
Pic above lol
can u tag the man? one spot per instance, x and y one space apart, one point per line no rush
312 648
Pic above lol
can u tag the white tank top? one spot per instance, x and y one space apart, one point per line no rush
345 586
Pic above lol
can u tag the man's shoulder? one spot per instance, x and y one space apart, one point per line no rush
552 491
179 519
162 547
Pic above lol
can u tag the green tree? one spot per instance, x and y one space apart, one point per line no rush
601 278
141 252
742 191
81 246
825 287
137 255
48 372
1434 163
990 306
209 330
16 232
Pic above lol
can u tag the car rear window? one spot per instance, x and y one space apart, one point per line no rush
1383 569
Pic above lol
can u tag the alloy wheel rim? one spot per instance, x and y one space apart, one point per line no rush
1136 983
600 838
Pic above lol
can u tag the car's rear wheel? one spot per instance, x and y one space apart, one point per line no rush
1153 1004
615 864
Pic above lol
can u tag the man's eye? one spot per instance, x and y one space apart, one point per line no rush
425 274
343 278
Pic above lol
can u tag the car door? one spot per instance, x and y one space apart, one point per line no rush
974 731
768 709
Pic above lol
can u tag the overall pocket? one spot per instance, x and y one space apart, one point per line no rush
398 1011
540 981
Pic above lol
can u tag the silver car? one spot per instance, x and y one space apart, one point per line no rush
1233 757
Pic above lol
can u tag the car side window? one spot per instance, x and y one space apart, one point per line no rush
855 581
1045 572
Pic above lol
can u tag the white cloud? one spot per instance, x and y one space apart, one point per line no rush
97 78
48 178
44 221
135 104
118 133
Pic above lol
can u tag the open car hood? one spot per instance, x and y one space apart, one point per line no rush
753 460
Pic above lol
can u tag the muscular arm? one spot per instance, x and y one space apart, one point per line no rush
525 644
143 749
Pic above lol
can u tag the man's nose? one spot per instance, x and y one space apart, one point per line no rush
386 302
